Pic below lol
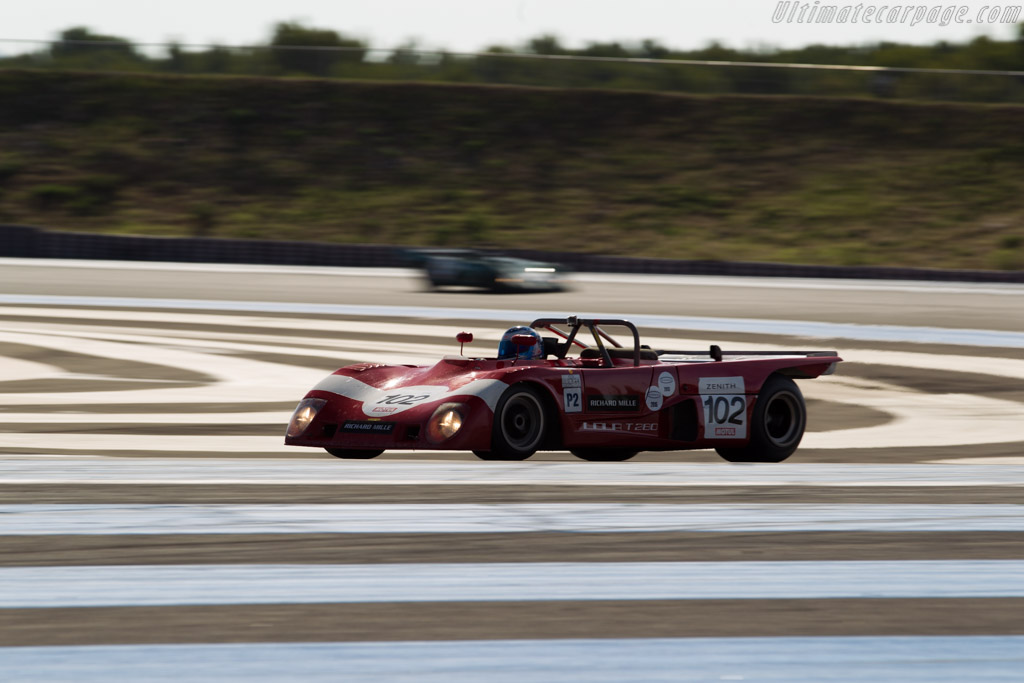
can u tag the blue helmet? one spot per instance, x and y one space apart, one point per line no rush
506 349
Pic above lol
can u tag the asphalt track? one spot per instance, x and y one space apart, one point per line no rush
151 518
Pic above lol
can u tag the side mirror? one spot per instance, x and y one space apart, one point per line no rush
463 338
523 341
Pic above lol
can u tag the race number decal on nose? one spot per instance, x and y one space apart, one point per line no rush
725 407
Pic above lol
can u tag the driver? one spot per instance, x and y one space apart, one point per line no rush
506 349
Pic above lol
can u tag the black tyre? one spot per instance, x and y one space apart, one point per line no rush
350 454
520 425
604 454
777 425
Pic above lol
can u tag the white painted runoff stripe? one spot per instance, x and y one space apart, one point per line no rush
916 419
266 417
85 470
843 284
412 332
210 267
799 328
152 585
816 284
491 518
864 659
411 337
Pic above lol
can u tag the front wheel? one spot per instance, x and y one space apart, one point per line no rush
604 454
350 454
777 425
520 425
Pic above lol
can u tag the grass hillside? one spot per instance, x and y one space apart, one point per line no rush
790 179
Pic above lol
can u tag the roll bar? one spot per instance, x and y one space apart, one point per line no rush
594 326
575 324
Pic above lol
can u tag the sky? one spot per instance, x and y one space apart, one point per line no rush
473 25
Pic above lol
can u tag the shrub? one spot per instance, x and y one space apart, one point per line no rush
52 196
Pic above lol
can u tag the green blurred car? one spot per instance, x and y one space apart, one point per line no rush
468 268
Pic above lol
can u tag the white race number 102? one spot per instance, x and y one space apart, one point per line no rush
725 407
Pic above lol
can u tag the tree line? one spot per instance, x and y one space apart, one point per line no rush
298 50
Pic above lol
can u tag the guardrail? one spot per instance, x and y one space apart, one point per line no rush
31 242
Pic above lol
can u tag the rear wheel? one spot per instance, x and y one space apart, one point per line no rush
350 454
520 425
604 454
777 425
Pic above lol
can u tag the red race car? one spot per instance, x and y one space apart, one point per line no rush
606 402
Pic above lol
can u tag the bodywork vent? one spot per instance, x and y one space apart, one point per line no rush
684 421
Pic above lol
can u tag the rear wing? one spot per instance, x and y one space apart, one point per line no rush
715 354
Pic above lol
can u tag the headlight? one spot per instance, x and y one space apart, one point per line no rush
304 414
445 422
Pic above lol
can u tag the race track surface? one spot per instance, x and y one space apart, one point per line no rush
154 526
